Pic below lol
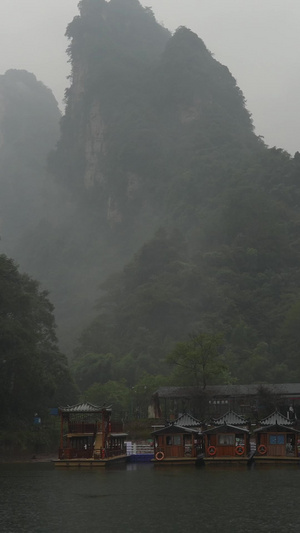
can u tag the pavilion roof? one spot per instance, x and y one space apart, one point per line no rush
226 428
276 418
174 429
276 428
230 418
187 420
85 407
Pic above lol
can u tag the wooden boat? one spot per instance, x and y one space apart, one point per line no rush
277 441
178 442
89 438
228 441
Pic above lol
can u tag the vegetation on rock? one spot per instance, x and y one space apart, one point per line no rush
172 215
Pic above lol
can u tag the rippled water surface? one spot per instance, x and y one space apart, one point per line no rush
142 498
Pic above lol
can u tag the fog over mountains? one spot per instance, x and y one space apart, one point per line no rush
257 41
151 211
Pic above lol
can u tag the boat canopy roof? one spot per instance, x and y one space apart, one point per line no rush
226 428
84 408
174 429
276 428
230 418
187 420
276 418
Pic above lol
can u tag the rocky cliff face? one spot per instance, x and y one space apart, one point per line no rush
95 148
151 122
113 49
141 104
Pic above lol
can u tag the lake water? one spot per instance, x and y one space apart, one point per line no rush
38 498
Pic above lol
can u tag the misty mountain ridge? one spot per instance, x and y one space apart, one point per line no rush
29 129
163 182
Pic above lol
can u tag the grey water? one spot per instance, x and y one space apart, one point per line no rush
142 498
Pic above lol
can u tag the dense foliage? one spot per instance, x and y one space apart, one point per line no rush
227 260
199 360
34 374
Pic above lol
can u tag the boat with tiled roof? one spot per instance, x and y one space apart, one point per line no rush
89 437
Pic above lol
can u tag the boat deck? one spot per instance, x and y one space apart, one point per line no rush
257 459
90 463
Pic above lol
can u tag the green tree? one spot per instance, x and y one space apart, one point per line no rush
198 361
113 393
93 368
33 373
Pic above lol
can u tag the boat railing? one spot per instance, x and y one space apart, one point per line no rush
104 453
134 448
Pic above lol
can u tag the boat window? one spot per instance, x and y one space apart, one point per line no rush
175 440
276 439
226 439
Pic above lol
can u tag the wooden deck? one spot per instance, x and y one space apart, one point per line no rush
256 460
90 463
206 461
174 461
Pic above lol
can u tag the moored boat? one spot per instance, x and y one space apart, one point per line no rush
89 437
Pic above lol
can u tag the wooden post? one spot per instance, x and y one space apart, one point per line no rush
61 431
103 428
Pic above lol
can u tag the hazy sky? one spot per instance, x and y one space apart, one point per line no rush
258 40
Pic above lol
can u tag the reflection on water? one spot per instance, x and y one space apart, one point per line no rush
38 498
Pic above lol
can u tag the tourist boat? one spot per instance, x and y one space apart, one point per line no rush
227 440
88 437
178 442
276 440
185 441
226 443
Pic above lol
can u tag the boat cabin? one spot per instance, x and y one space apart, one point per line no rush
226 441
86 432
277 440
175 441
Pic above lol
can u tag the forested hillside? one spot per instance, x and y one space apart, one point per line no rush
149 118
170 220
34 374
180 159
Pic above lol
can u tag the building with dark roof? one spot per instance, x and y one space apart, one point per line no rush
255 400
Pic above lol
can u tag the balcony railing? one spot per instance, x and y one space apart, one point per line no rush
97 453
